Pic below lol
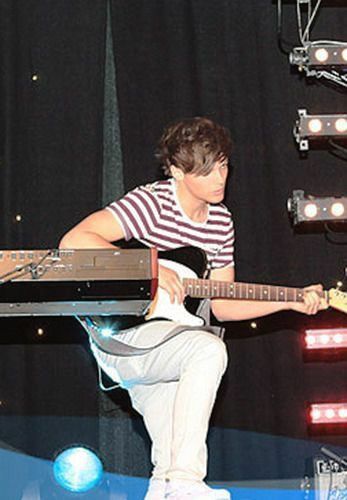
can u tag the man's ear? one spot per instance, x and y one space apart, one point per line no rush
176 173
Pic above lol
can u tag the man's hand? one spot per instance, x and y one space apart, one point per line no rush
170 281
312 301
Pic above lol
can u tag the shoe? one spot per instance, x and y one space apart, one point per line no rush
189 490
156 489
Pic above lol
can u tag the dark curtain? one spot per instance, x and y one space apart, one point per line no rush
53 66
180 58
52 86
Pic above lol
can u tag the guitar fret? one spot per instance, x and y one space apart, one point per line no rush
200 288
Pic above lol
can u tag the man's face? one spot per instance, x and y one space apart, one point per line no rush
209 188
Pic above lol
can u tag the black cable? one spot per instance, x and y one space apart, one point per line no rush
23 270
328 83
341 151
328 232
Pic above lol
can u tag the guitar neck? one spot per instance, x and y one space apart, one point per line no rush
203 288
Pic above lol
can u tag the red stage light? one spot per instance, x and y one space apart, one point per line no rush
328 413
327 338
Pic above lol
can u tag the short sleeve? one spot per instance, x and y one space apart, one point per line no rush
137 212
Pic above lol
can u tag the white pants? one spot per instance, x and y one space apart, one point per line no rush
174 388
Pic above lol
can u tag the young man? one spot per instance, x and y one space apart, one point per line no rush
174 386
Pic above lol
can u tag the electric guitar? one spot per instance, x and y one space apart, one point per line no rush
190 264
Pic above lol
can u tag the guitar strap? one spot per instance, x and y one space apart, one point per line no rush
110 345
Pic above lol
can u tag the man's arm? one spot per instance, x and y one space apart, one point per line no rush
97 230
101 228
236 310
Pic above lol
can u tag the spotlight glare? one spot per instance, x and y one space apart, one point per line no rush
77 469
324 339
321 55
315 414
338 338
106 331
310 340
344 54
341 125
315 125
337 209
311 210
330 413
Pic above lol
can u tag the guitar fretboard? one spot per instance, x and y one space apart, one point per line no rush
203 288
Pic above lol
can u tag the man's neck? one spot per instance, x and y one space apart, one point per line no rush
193 207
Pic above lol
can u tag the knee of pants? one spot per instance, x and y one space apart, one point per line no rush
210 348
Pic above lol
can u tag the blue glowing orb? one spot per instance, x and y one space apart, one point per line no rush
77 469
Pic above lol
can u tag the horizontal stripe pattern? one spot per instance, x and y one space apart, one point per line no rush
152 215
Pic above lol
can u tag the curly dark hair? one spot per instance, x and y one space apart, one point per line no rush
193 145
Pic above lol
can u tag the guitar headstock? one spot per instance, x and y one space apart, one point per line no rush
338 299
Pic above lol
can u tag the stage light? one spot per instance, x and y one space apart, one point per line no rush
328 413
337 209
325 54
314 55
311 210
341 125
326 338
321 55
77 469
314 127
305 208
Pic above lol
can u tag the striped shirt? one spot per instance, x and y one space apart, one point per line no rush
152 215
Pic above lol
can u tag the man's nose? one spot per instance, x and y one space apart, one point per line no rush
220 175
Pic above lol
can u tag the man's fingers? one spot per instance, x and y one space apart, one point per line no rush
176 291
170 281
312 301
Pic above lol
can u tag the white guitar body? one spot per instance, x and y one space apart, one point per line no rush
162 307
